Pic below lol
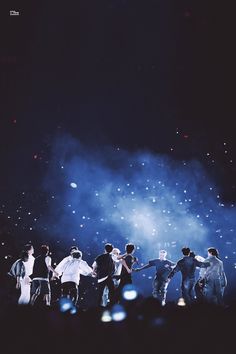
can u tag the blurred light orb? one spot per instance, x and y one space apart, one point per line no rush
181 302
118 313
65 304
129 292
106 316
73 185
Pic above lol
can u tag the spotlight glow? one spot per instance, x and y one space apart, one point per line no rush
129 292
118 313
106 316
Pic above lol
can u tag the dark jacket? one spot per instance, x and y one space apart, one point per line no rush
187 266
105 265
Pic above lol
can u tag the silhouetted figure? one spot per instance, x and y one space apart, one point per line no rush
104 268
40 277
187 266
215 278
160 282
70 274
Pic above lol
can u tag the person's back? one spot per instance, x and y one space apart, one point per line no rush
214 274
73 269
40 269
129 259
105 265
104 268
187 267
215 269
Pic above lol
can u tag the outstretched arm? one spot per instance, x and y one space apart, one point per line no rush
144 267
174 270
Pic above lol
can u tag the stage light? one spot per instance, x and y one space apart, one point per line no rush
106 316
181 302
129 292
65 304
118 313
73 310
73 185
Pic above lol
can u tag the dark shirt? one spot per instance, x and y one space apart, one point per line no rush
129 259
187 266
163 267
40 269
105 265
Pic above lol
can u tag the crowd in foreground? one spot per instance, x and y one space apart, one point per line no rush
112 272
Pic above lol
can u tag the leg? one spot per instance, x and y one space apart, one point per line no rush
24 298
74 293
185 291
111 290
101 287
163 291
218 292
199 290
46 291
155 288
209 291
123 281
65 289
35 291
191 289
105 296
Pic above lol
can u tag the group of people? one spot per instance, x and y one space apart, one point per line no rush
113 271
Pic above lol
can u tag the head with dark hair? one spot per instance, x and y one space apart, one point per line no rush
130 247
192 254
77 254
186 251
213 251
73 248
108 247
24 256
44 250
29 248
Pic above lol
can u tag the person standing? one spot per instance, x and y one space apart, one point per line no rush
127 262
40 277
70 275
18 272
104 268
214 278
116 275
187 266
25 283
160 282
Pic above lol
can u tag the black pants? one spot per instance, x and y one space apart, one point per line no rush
101 286
124 280
70 289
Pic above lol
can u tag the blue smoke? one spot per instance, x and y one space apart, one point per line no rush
112 195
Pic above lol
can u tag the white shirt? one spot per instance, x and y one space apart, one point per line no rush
72 268
59 268
29 265
118 264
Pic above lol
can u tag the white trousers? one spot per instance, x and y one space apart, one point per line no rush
24 298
